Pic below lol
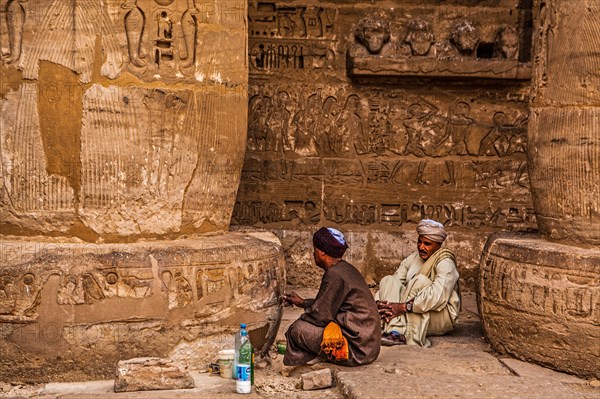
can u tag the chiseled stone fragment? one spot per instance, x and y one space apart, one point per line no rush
150 373
317 380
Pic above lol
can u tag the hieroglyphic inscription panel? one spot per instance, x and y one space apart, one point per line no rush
286 39
384 158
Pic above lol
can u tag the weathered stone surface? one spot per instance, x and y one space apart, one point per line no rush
564 133
374 154
124 118
440 46
317 379
68 304
539 297
533 371
150 373
540 302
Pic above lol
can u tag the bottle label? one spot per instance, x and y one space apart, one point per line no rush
243 372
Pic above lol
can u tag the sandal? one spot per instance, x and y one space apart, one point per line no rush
393 338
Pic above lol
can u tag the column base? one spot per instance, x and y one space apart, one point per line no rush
71 311
540 302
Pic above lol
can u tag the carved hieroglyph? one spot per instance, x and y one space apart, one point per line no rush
565 130
540 301
539 297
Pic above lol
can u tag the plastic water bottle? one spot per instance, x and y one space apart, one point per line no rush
236 347
243 367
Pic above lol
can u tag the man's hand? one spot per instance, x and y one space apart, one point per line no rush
293 299
389 310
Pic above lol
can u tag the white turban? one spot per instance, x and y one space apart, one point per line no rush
431 229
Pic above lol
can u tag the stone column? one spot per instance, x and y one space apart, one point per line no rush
123 130
540 295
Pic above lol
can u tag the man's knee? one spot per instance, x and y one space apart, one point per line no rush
294 331
386 280
389 289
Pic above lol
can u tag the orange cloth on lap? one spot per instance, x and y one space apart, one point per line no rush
334 344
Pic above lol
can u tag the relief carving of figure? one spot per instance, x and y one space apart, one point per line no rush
380 135
419 37
465 38
373 35
507 43
15 19
189 27
306 123
258 130
455 136
350 123
328 132
279 124
422 125
504 138
135 22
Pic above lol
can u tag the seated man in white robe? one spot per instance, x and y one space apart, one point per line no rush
422 297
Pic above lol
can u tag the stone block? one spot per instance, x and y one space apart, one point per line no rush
149 374
317 380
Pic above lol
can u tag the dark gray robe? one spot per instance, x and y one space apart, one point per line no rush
345 298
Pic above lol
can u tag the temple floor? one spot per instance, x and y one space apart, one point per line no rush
460 364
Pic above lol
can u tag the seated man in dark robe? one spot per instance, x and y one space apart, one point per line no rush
342 323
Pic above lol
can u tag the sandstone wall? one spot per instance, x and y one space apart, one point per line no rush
432 125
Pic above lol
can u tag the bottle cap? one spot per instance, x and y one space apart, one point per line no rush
243 325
